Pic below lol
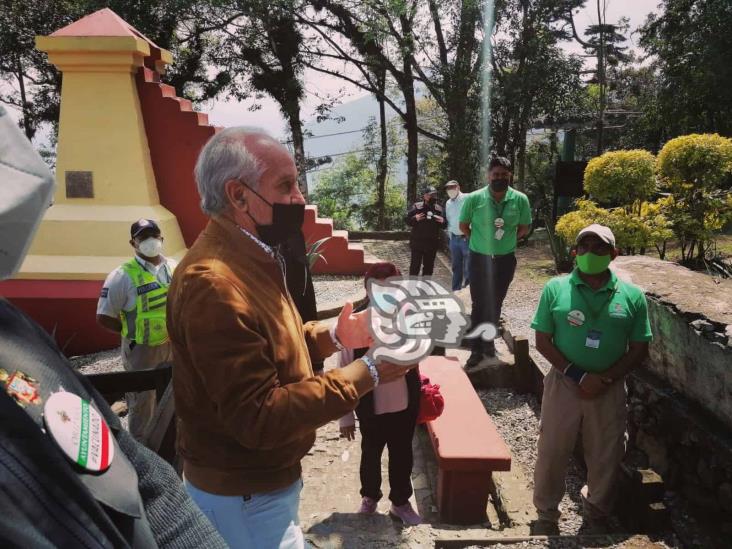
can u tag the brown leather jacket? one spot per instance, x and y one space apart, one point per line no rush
246 399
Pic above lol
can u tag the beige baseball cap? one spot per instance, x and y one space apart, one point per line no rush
451 183
601 231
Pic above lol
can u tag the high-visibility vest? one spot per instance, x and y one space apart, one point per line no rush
145 324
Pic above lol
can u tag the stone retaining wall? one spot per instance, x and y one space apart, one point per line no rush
691 452
680 404
691 314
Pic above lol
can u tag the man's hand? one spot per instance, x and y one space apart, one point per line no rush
465 228
439 219
419 216
348 432
352 329
592 385
390 372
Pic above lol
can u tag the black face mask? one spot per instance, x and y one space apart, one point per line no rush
287 220
499 185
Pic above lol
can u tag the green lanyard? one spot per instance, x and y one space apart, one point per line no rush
595 313
503 207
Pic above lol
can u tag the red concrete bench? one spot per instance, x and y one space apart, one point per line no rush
466 443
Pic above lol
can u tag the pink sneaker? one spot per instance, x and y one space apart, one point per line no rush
406 514
368 506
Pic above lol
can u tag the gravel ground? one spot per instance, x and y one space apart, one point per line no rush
99 363
331 289
534 267
635 542
517 420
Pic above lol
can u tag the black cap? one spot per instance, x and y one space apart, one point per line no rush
143 225
429 190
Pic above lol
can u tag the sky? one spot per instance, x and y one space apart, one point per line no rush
223 113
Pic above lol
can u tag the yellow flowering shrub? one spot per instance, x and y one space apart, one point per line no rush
621 178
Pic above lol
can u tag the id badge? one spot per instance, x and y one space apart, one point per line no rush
593 339
499 234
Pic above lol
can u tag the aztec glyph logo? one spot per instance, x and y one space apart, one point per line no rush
411 315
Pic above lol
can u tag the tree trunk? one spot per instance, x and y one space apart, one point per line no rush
27 124
382 167
406 84
601 82
456 86
292 113
412 145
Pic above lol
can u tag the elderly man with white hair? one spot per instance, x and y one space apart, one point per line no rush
247 400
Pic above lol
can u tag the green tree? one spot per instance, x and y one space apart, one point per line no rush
384 153
343 190
535 84
31 84
34 85
634 108
348 194
260 48
691 40
604 41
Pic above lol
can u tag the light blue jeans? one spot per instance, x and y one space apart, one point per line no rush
260 521
460 254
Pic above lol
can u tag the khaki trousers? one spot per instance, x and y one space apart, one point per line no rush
141 406
601 421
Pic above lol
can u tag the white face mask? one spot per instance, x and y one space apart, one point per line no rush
150 247
26 192
452 193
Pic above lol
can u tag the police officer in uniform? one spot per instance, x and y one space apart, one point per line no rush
133 304
427 219
71 476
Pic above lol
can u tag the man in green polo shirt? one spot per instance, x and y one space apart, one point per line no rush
493 219
593 329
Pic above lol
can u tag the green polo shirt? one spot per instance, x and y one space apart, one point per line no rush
569 309
480 210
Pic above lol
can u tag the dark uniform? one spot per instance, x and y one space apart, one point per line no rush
426 233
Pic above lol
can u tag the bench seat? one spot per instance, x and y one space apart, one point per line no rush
466 443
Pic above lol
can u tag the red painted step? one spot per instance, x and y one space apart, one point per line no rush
176 133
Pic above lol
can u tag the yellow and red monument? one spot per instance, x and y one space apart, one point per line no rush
127 146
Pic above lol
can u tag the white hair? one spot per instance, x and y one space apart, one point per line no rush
223 158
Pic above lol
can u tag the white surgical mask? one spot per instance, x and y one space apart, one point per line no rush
452 193
151 247
26 192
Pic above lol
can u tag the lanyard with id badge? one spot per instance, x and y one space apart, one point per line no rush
592 341
499 222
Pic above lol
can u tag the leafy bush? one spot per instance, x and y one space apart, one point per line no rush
623 178
632 232
694 162
697 170
569 225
